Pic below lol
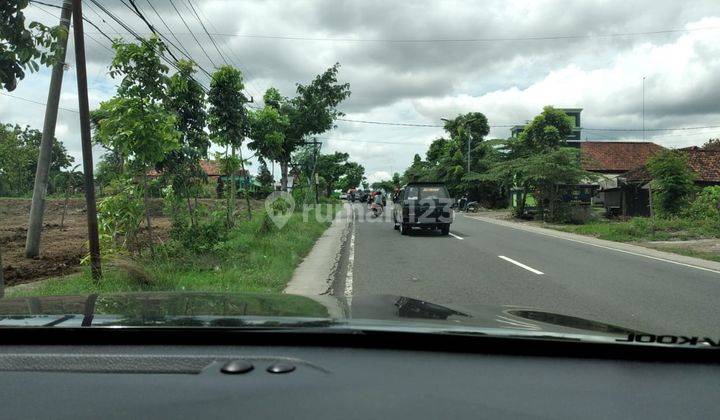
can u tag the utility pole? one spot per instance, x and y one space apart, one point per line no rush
463 125
84 106
37 208
643 107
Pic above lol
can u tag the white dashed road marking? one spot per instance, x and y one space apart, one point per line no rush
519 264
455 236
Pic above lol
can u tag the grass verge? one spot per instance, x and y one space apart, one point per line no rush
248 261
645 229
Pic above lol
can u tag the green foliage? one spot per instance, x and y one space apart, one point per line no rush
206 235
120 214
19 150
706 205
353 174
138 129
142 73
712 144
267 128
265 178
672 182
546 131
227 119
24 47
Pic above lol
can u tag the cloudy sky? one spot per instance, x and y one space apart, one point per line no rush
416 62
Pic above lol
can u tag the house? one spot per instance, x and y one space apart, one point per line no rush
632 195
610 159
573 113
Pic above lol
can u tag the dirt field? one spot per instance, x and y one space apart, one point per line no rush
61 248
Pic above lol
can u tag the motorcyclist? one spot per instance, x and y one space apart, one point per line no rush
462 206
377 204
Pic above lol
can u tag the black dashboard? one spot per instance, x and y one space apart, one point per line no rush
304 381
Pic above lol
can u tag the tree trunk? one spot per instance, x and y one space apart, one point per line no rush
283 175
148 221
190 213
65 204
2 278
233 192
247 187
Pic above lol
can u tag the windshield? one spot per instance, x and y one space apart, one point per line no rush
534 167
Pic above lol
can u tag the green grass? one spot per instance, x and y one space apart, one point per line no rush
691 252
249 261
646 229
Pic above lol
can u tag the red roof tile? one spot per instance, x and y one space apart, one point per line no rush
706 163
616 156
210 167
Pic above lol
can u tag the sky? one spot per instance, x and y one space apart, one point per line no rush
417 62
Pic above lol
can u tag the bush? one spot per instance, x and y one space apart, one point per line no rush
120 215
705 205
672 182
202 237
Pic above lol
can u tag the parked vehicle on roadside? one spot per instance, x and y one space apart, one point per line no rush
424 205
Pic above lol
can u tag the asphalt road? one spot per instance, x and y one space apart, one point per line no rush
486 263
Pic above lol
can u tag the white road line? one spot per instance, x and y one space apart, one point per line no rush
455 236
637 254
351 260
519 264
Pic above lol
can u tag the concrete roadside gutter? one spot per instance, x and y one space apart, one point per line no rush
638 250
314 276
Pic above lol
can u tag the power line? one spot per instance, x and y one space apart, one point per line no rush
187 53
469 40
84 19
233 57
37 102
191 33
192 8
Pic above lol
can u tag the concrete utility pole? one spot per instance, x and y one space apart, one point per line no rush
84 106
37 208
2 278
643 107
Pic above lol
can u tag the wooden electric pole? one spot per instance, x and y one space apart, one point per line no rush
37 208
84 106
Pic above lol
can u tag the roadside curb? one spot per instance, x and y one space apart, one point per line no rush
316 273
616 246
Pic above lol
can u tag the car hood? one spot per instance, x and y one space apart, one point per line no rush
200 309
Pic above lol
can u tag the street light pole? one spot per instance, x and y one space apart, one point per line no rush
643 107
463 125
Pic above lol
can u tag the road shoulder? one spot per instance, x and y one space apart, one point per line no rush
316 273
617 246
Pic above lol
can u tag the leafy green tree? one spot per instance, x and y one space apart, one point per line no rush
186 100
228 120
268 127
546 131
135 123
331 168
23 47
312 111
712 144
19 149
672 182
265 178
353 175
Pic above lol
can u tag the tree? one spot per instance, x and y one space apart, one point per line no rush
18 159
186 100
672 182
546 131
312 111
417 171
353 175
331 168
135 123
712 144
265 178
23 47
268 127
228 120
535 163
472 126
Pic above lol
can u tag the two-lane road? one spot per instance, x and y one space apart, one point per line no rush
486 263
